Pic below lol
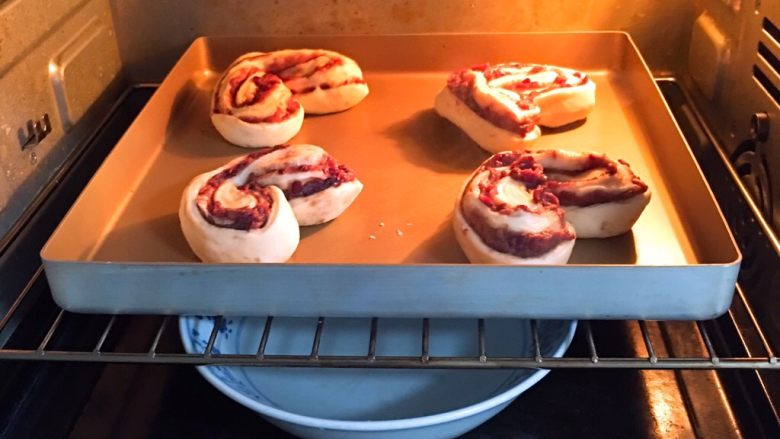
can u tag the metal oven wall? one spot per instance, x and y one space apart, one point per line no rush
734 64
152 34
57 57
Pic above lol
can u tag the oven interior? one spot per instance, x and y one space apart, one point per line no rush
75 74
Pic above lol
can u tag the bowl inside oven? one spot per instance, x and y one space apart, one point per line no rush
386 403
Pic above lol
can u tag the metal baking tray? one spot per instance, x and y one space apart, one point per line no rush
393 252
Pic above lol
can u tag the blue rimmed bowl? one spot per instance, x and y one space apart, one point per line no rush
374 403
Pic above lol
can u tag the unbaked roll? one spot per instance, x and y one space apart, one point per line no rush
505 215
260 99
249 210
601 197
501 106
226 218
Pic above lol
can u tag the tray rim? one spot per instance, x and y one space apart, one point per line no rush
200 44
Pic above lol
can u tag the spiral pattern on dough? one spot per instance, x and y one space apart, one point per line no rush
501 106
261 97
249 210
226 217
601 196
505 214
317 187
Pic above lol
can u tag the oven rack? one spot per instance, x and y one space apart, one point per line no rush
654 349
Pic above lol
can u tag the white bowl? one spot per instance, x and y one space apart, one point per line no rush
374 403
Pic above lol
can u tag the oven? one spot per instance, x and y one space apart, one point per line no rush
74 76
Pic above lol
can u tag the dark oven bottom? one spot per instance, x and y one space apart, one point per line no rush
59 399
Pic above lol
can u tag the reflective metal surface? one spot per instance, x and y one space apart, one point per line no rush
678 262
151 36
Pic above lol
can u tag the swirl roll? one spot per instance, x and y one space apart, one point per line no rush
250 209
260 99
501 106
505 215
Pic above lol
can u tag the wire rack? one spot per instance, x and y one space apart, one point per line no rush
652 351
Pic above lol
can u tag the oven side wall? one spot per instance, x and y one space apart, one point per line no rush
57 58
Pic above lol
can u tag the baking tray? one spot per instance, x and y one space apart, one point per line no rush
393 252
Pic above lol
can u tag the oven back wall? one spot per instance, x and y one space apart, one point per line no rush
152 34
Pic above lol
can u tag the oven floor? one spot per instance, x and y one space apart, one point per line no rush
130 401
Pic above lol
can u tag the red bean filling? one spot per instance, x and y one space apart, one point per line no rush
244 218
281 114
571 193
520 167
525 169
265 85
462 87
335 175
532 89
281 70
520 244
548 193
492 72
286 67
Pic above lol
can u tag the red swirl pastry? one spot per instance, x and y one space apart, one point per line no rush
506 215
249 210
225 218
501 106
260 99
602 197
